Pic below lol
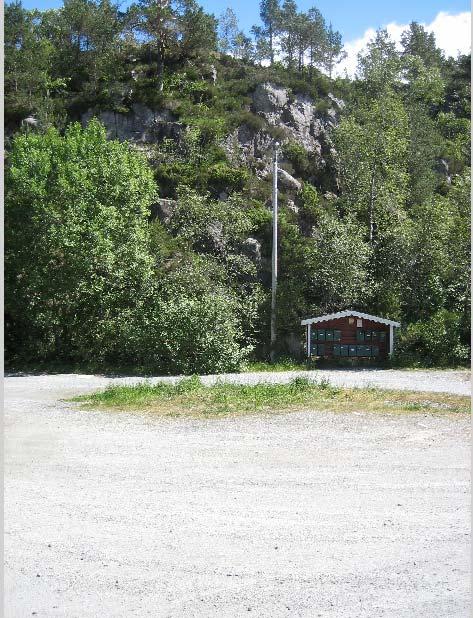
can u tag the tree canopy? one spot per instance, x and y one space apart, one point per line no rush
157 252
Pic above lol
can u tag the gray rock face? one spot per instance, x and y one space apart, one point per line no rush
443 169
140 125
296 117
288 181
338 103
269 99
30 122
213 74
297 114
163 210
251 248
245 146
215 241
293 206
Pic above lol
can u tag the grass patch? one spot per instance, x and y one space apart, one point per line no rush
282 364
189 397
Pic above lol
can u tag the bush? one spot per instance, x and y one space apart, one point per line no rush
222 177
298 156
183 335
170 176
435 342
253 121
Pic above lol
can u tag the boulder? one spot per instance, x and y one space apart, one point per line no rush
163 210
251 248
288 181
215 238
30 122
213 74
443 169
338 103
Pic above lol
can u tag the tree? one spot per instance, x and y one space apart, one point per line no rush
372 147
243 47
317 36
197 30
228 31
288 20
87 280
302 30
423 89
333 52
379 67
77 253
327 270
416 41
270 16
29 58
157 21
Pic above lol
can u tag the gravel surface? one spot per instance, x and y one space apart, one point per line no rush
303 514
455 382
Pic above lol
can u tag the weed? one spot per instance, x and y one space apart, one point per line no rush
191 396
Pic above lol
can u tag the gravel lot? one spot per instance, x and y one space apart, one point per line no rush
303 514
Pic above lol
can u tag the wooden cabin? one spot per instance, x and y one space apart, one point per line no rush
349 334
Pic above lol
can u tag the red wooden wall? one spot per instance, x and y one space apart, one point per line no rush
348 336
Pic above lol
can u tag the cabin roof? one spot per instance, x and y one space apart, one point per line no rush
347 313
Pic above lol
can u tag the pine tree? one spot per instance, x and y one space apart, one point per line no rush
228 31
333 50
270 16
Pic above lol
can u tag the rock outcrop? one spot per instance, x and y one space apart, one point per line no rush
251 248
140 125
290 117
163 209
294 117
288 181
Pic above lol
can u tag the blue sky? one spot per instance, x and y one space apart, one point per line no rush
349 17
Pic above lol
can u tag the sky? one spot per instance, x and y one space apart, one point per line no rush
357 20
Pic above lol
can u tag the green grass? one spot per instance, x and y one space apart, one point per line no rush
189 397
282 364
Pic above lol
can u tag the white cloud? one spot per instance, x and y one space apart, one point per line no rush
452 33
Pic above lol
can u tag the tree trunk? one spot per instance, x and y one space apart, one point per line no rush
371 210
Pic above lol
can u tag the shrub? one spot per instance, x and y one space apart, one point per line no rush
278 133
222 177
83 265
253 121
434 342
170 176
186 335
297 155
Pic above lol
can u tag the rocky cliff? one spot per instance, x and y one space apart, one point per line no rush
289 118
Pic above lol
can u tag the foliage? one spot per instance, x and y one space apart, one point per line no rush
82 283
382 223
435 342
76 238
184 334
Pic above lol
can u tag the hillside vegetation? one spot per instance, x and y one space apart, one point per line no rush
138 185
